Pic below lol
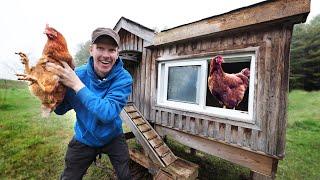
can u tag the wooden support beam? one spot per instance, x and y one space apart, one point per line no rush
129 135
256 161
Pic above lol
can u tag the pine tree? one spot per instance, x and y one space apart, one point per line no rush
305 56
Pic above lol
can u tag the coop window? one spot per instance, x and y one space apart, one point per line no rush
183 84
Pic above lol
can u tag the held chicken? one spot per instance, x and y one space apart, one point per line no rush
229 89
44 84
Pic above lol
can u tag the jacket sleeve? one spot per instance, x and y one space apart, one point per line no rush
64 106
108 108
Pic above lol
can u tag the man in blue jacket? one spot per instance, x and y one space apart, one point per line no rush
97 93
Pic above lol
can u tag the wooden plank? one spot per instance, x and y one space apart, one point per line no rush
148 86
153 82
216 130
269 11
156 142
222 128
140 158
162 150
128 41
172 116
227 133
158 117
179 123
139 121
174 57
164 118
169 158
240 136
144 128
135 85
274 89
257 161
258 176
134 115
150 134
135 43
193 125
129 109
254 140
131 41
205 116
197 127
210 129
187 127
135 28
234 134
282 123
138 86
205 127
142 80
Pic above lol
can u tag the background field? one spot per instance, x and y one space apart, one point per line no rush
33 148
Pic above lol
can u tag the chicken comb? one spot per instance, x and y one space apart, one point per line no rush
219 59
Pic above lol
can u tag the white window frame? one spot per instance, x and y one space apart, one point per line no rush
201 107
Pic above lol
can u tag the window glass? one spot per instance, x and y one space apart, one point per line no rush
183 83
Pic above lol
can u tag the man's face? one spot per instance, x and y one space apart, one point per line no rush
105 53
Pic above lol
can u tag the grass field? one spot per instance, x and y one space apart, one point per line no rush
33 148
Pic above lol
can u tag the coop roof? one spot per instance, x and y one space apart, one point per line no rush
135 28
291 11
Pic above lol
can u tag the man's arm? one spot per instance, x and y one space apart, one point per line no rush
105 109
63 107
108 108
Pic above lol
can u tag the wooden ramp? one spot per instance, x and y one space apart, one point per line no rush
151 142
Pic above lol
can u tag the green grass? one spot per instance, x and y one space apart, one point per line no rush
30 146
33 148
302 159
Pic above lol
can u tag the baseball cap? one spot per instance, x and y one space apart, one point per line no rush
105 32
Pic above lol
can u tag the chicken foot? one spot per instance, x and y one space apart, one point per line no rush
26 77
24 60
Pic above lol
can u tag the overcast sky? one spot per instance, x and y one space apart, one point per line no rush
22 22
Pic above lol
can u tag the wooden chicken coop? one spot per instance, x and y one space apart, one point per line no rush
171 68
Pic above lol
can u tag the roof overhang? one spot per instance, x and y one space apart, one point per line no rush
266 12
135 28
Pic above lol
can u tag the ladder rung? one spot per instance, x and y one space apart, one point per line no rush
162 150
155 143
150 135
144 128
169 158
139 121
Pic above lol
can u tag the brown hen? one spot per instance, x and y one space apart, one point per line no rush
44 84
229 89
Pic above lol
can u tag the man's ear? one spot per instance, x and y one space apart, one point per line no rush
117 52
90 49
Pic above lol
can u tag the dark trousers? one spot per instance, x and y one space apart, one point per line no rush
80 156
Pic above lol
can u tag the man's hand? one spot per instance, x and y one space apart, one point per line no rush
67 76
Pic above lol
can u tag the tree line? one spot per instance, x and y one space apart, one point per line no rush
304 55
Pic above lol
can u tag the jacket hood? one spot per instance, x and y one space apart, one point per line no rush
118 65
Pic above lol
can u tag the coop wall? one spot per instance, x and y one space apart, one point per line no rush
270 98
140 72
